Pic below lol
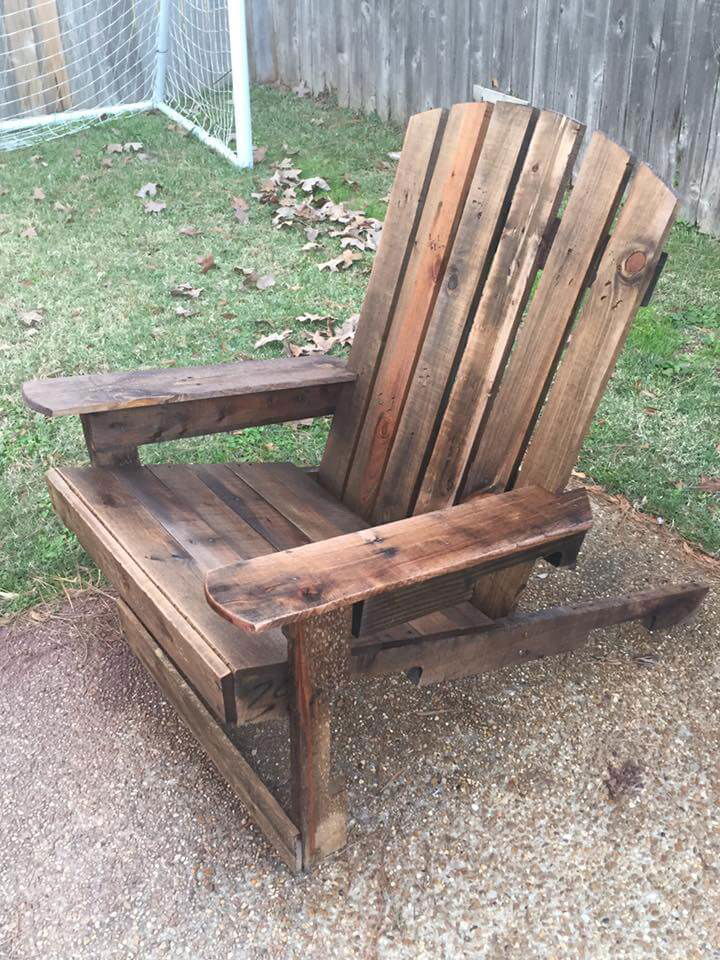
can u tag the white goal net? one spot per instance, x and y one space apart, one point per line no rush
65 64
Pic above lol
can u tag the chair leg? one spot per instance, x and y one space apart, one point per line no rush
319 661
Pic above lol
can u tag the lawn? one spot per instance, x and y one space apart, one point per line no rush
91 292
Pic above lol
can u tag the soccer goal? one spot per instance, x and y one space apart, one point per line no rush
65 64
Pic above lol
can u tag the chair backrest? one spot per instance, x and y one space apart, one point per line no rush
490 327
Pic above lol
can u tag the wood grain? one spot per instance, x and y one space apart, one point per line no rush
398 234
625 270
299 583
98 392
472 251
540 188
461 143
581 233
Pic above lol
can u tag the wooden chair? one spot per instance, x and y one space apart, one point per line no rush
489 330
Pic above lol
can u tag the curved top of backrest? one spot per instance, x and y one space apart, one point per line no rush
468 376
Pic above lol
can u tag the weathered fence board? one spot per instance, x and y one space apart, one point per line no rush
643 71
646 72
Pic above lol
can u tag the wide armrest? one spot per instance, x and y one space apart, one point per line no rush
471 538
97 393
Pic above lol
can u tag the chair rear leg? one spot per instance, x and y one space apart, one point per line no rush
319 662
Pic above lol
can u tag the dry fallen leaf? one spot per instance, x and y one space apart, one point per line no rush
38 193
106 163
186 290
241 208
272 338
259 154
184 312
315 318
310 246
301 90
153 206
114 148
343 262
189 231
206 263
310 184
29 231
132 147
31 318
709 484
251 278
147 190
394 155
352 183
345 333
62 207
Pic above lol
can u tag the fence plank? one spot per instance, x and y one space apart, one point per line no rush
643 75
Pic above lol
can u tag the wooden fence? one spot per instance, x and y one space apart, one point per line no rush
644 71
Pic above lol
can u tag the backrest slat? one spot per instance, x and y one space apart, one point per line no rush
537 197
477 235
405 206
625 270
583 228
461 143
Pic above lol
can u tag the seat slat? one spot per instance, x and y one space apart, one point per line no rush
161 555
584 226
471 254
626 268
407 197
536 199
459 150
299 498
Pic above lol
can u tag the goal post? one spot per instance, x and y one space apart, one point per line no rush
65 65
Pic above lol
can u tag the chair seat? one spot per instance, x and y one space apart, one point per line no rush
156 531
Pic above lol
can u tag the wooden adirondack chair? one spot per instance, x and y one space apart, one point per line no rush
489 330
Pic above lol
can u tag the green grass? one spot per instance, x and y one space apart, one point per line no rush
102 279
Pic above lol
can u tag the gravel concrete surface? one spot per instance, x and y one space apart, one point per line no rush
567 809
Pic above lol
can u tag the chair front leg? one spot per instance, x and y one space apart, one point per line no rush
319 662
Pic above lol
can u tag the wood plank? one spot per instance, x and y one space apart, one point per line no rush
296 584
98 392
163 559
667 113
406 200
618 51
582 230
625 270
319 661
56 86
299 498
254 510
701 84
232 766
523 637
462 140
472 251
211 674
116 431
23 57
539 191
643 75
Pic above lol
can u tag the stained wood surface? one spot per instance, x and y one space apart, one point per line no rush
299 583
625 269
472 251
318 662
399 229
462 139
111 433
94 393
156 531
520 638
535 202
581 233
260 803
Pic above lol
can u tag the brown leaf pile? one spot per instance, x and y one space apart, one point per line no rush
303 201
